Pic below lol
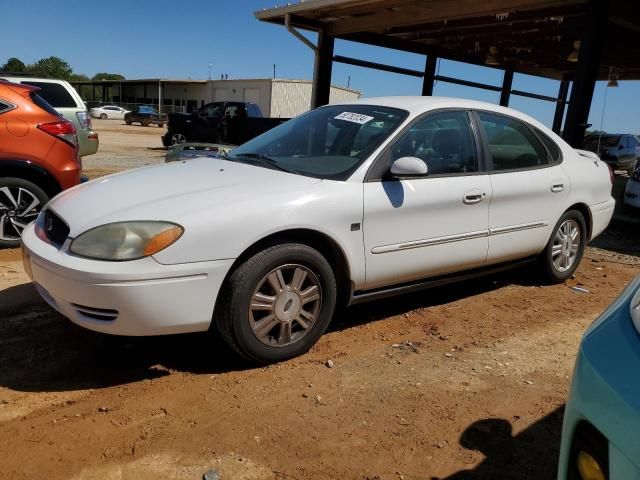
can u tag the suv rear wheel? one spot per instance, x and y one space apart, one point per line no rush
20 204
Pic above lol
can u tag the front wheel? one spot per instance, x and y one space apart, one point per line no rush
565 248
20 204
127 121
277 304
178 138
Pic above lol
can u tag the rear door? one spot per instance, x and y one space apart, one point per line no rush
530 188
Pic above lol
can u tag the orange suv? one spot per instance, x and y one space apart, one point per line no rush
38 158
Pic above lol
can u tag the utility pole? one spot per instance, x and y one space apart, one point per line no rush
274 70
210 81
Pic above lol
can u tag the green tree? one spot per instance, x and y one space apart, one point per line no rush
14 65
107 76
53 67
79 77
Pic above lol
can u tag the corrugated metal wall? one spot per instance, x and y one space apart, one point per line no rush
293 97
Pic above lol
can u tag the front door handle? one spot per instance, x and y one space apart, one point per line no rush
475 196
557 187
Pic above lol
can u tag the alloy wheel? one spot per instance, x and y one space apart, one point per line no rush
285 305
566 244
18 208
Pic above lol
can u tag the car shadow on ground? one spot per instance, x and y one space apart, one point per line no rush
532 453
40 350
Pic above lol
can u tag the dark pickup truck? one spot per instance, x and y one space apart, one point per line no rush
145 116
219 122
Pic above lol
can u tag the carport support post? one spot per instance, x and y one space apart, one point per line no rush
429 75
586 72
505 93
560 103
321 89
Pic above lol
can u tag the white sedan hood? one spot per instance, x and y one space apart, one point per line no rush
172 191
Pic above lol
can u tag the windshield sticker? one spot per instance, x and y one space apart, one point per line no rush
354 117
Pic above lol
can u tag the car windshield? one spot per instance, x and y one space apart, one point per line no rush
329 142
605 141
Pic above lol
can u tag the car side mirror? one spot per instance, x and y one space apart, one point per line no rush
408 167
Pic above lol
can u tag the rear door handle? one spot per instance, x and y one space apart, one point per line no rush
557 187
475 196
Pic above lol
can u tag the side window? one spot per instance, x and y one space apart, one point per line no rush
54 94
512 144
5 106
552 147
444 141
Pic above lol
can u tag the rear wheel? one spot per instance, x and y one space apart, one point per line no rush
103 116
20 204
277 304
145 123
564 250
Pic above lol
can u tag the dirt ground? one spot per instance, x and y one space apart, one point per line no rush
463 382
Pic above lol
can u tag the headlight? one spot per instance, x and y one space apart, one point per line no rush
635 309
126 240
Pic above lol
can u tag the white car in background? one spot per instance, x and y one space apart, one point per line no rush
105 112
342 204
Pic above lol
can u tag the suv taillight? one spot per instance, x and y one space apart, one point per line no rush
85 119
63 130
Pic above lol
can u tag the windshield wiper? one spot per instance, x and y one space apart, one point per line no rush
265 160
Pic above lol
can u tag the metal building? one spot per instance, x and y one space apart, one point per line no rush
279 98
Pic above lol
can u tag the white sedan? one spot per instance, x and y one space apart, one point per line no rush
342 204
108 112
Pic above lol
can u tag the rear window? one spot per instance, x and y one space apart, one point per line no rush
39 101
605 140
554 150
55 94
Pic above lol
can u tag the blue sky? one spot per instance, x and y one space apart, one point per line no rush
165 38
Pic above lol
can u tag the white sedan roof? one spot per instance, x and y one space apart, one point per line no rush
416 105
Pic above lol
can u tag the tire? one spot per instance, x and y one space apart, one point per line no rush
560 267
103 116
127 121
178 138
283 336
160 125
14 217
145 123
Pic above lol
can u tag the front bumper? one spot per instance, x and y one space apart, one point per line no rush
137 298
605 391
632 193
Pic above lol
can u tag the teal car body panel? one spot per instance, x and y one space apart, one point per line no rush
605 391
